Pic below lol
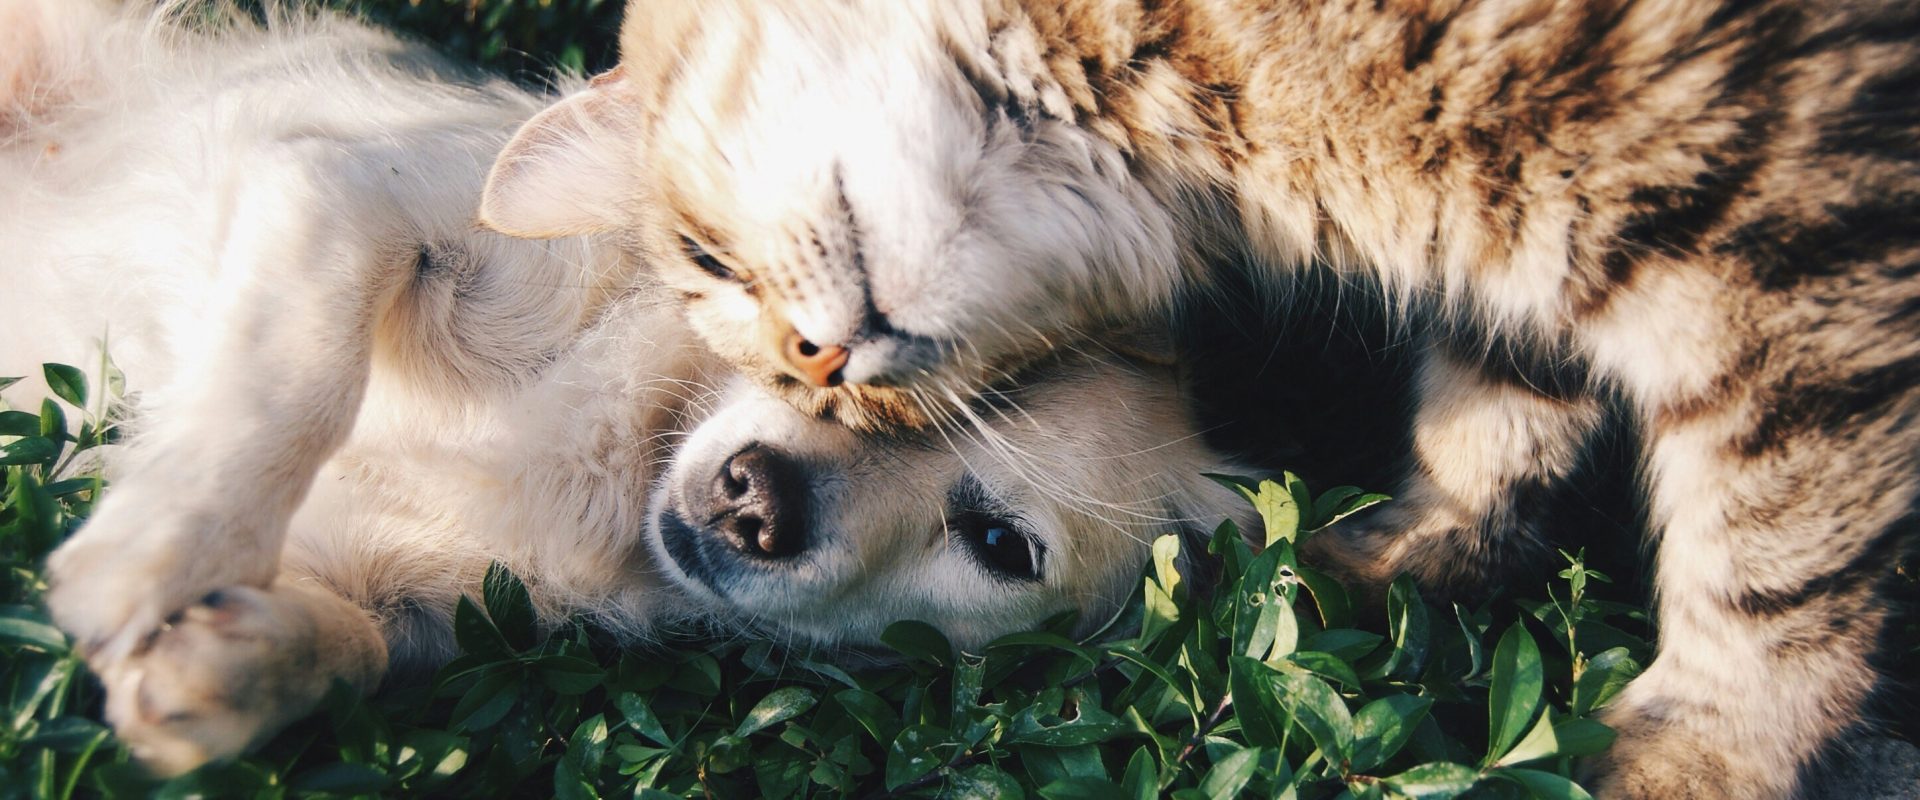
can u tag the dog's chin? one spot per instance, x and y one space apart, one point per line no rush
676 544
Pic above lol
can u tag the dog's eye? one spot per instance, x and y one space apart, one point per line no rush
705 260
999 544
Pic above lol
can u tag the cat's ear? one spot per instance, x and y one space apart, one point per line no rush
655 35
571 169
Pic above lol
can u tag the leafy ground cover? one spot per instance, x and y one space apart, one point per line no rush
1267 682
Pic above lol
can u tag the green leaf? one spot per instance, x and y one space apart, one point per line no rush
1045 765
918 641
578 771
1318 710
1349 507
1279 511
1166 569
1262 603
1410 630
30 450
728 753
19 423
1514 696
1538 743
1142 780
72 486
475 632
640 718
1569 737
1308 701
1437 781
1325 665
1263 719
778 706
780 774
1346 643
1080 789
28 626
1545 785
982 782
341 778
1470 632
67 734
698 675
1383 726
917 751
509 606
435 756
872 712
1052 641
488 702
568 675
53 422
1229 776
1583 737
1606 674
1093 725
1336 609
67 383
1162 613
6 382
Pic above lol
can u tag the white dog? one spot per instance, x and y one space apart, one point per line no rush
352 400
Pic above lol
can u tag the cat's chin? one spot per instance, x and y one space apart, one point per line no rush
860 407
956 395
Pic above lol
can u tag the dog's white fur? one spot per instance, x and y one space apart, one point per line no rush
350 399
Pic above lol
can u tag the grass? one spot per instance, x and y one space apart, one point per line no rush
1268 682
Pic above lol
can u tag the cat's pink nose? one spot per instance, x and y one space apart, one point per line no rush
818 364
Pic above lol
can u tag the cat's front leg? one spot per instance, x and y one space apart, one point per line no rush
236 667
1784 495
269 385
1490 444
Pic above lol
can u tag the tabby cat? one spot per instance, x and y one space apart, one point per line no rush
1705 206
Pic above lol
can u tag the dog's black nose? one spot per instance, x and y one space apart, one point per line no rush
760 504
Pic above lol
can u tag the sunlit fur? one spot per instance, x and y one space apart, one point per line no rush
349 401
1705 207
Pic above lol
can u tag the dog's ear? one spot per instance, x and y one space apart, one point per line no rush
569 170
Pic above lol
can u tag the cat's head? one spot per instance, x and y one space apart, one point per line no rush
878 209
812 533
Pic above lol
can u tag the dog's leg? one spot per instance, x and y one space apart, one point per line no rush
314 251
1488 447
235 668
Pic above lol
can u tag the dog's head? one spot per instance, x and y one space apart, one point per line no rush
876 208
805 530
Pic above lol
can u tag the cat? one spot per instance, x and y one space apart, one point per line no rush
881 208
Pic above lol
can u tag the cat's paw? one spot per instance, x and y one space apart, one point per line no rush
141 559
1655 757
226 673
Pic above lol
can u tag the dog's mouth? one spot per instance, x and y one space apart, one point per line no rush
682 543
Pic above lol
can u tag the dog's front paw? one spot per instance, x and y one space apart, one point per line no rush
233 669
140 559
